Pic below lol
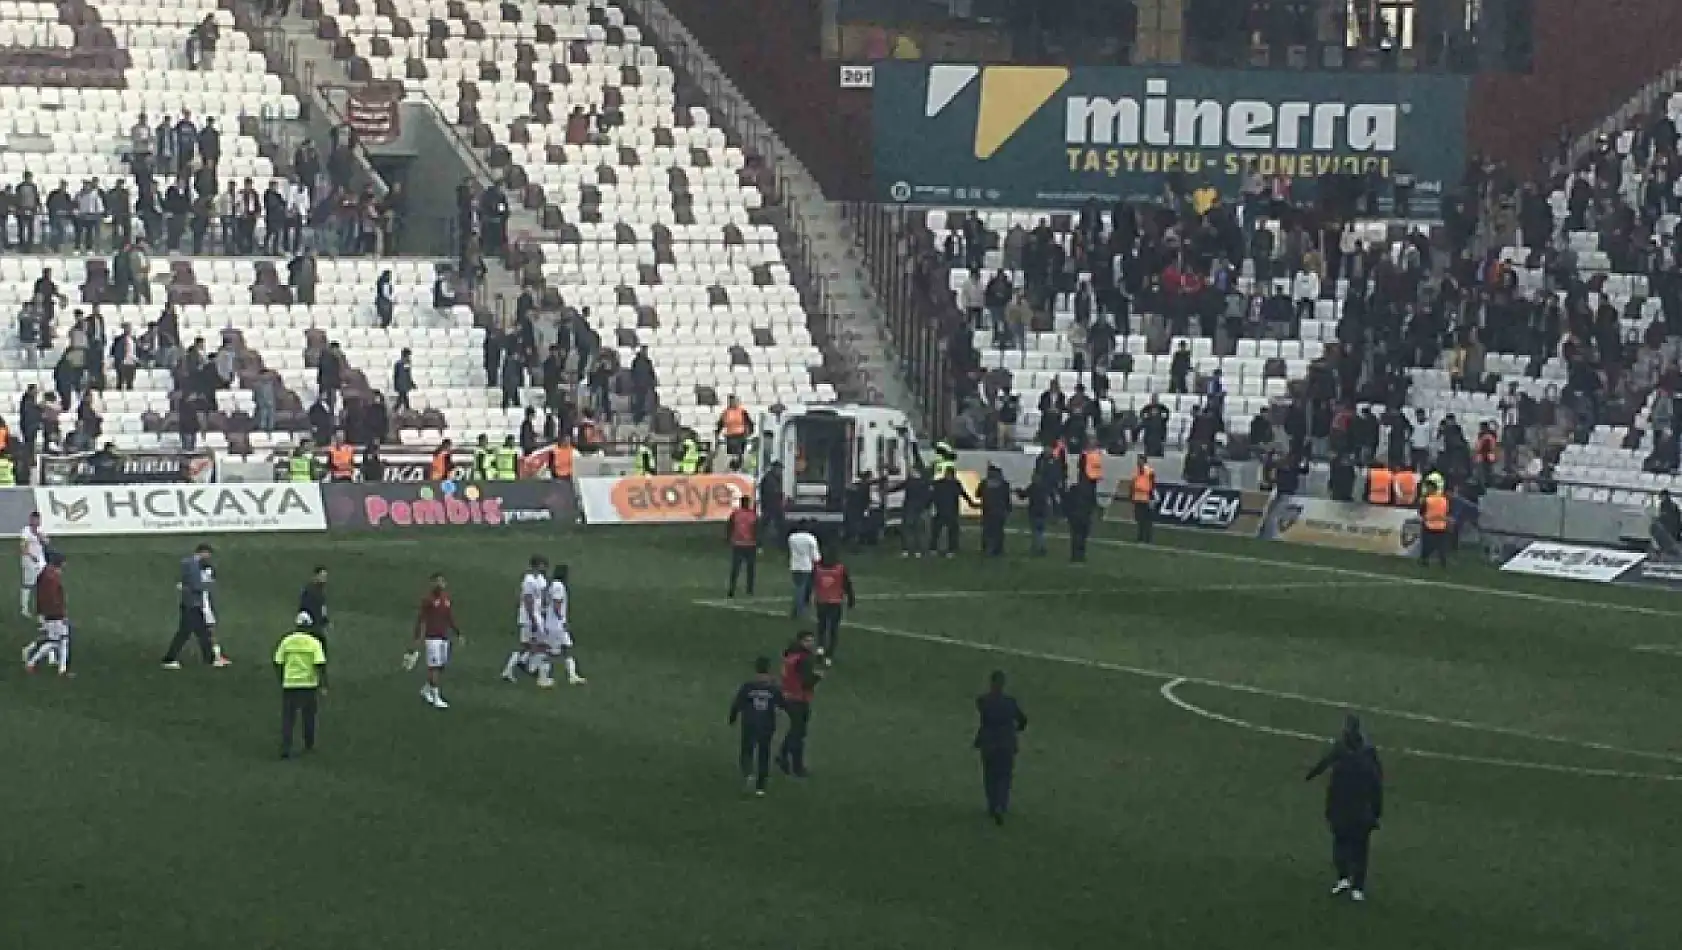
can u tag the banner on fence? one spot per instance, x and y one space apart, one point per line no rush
661 499
385 506
1573 562
1038 136
129 468
1347 525
1194 506
179 509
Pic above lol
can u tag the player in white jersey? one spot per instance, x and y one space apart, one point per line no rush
534 592
32 547
557 635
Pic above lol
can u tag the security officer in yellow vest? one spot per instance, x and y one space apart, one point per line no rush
945 460
301 466
8 471
507 461
646 463
484 460
689 455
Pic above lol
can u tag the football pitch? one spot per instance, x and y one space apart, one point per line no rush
1530 732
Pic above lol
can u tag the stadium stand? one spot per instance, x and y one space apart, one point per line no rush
654 229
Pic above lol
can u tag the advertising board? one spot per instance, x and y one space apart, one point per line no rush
1055 136
1346 525
1573 562
132 468
179 509
387 506
1209 507
661 499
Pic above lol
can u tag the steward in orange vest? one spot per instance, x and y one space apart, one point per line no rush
1435 519
439 470
1140 491
801 675
1379 483
1407 488
341 462
561 458
742 529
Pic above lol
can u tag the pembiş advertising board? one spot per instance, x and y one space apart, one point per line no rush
386 506
1573 562
179 509
661 499
1055 136
1350 526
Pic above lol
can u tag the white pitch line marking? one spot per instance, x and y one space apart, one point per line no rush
1165 675
1666 649
1120 588
1168 692
1376 575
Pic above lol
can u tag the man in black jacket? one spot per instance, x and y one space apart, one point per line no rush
995 512
1040 495
946 492
1354 805
755 705
772 521
996 739
312 600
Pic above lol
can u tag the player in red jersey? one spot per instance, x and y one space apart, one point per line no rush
435 627
53 645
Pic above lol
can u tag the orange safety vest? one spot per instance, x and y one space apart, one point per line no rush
1407 488
1378 486
1486 448
560 461
440 470
735 422
744 528
1092 465
5 436
1144 485
1436 514
340 458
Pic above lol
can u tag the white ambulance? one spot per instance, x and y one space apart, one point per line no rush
823 449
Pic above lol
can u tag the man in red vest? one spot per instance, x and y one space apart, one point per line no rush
801 674
742 530
831 586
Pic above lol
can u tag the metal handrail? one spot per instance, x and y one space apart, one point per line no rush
464 144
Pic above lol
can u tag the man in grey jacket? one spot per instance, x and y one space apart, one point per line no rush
196 619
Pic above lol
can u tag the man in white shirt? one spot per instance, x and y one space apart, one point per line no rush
803 555
557 634
298 207
534 599
33 550
1421 442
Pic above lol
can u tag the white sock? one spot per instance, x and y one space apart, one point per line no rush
63 659
429 691
216 650
37 651
23 601
514 660
545 669
572 667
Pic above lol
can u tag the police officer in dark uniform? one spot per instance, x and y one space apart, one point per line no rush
855 509
1040 494
995 512
946 492
756 705
1354 804
1080 505
914 524
772 521
995 738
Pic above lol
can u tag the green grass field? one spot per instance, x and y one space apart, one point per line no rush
1529 745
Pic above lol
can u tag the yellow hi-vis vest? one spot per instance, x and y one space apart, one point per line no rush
301 468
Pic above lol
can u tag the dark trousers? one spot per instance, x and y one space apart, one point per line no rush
947 523
1144 521
741 557
998 767
792 754
829 629
1079 530
190 626
1433 542
1349 854
297 704
755 757
911 534
993 536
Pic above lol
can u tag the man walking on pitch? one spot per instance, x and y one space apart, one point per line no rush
1354 804
995 738
803 554
301 662
53 645
742 530
435 627
756 705
800 680
831 585
312 600
32 549
195 619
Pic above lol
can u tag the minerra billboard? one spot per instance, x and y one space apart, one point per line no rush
1054 136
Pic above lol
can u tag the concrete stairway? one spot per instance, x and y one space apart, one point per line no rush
822 244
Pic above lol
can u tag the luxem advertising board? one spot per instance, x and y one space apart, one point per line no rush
1054 136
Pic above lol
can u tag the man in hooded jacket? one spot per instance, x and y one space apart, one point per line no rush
1354 804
